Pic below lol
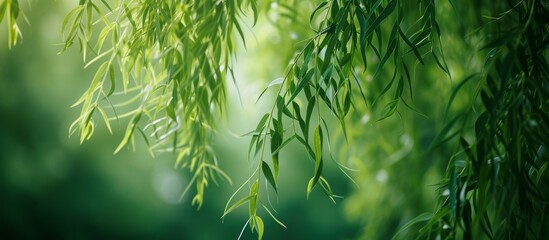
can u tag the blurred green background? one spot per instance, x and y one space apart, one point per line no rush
53 187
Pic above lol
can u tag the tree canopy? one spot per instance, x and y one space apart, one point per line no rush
464 84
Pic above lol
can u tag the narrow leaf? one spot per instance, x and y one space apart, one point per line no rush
268 175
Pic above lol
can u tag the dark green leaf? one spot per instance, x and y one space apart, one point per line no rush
268 175
301 84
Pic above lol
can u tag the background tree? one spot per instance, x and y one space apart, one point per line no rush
371 70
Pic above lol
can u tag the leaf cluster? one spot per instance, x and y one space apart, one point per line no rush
163 67
11 9
496 184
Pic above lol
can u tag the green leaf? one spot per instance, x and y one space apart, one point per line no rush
453 188
327 189
413 46
106 5
89 12
345 59
307 54
283 145
301 84
254 10
304 128
541 171
262 122
105 119
3 10
253 201
113 80
443 136
421 218
282 107
310 108
362 40
268 175
14 9
303 142
320 6
390 49
129 131
236 205
390 109
275 82
276 141
259 226
318 158
456 90
318 143
384 14
310 186
171 111
273 217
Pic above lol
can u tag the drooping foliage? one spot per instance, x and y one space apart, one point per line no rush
325 81
163 67
10 9
496 184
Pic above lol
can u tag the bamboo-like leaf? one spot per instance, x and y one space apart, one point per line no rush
252 204
390 109
259 226
456 90
273 217
275 82
310 186
541 171
302 125
276 142
283 144
421 218
303 142
129 132
89 12
452 185
327 189
384 14
236 205
105 118
253 4
262 122
310 108
413 46
113 80
362 22
3 6
301 84
319 8
318 158
443 135
268 175
98 57
106 5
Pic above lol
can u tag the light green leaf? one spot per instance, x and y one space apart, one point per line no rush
253 201
259 226
129 132
273 217
236 205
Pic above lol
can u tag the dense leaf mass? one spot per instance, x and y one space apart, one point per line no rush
163 67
